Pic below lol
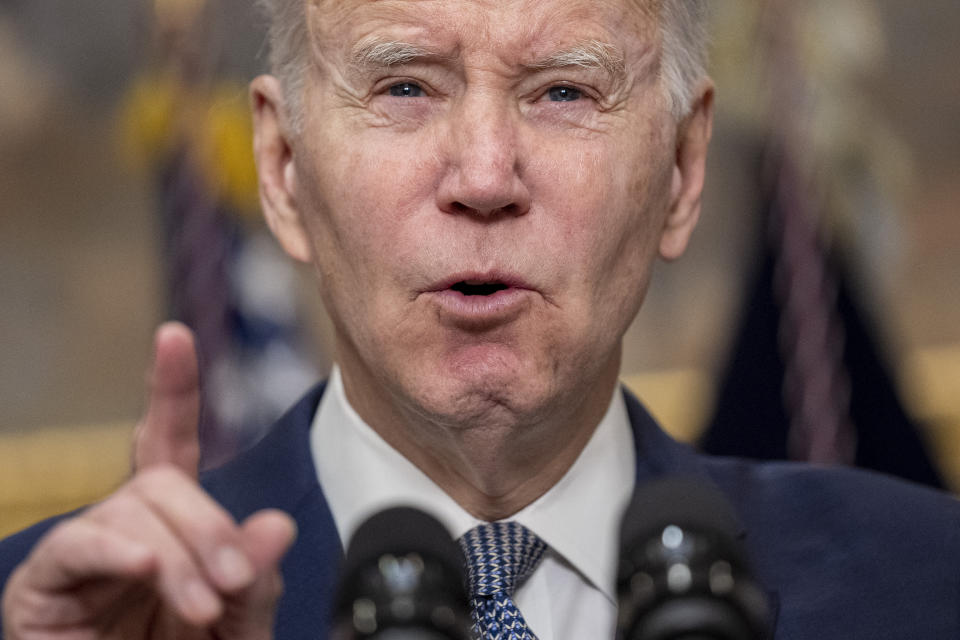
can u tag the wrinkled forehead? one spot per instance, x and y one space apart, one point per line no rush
516 28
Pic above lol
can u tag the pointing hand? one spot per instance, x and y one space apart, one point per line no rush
159 558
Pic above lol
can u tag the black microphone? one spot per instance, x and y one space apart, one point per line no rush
683 574
403 579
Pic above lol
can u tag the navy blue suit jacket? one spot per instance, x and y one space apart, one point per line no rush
844 554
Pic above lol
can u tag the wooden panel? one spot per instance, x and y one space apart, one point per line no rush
57 469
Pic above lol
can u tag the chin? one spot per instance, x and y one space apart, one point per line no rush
485 396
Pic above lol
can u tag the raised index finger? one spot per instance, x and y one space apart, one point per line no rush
169 432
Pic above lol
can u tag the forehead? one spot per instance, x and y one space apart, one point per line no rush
509 27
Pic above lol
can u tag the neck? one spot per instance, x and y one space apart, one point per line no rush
492 468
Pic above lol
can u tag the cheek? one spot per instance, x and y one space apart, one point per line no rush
573 189
605 214
361 196
643 184
614 208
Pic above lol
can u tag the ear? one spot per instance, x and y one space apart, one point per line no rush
275 168
693 137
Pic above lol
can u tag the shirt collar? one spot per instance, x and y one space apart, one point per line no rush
579 517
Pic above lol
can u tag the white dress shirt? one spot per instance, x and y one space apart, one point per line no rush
571 595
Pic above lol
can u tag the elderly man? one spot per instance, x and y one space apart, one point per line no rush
482 188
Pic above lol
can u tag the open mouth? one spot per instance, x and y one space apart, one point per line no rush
480 300
474 288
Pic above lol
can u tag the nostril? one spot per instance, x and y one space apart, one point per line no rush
508 210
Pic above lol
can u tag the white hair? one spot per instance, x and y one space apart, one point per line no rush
289 41
683 26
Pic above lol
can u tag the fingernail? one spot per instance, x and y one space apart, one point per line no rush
201 603
233 568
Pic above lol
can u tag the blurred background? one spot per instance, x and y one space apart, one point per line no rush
816 315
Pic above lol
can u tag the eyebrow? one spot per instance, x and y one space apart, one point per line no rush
591 54
375 52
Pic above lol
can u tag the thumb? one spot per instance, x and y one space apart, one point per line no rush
169 432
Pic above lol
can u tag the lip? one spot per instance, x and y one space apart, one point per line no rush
511 281
480 311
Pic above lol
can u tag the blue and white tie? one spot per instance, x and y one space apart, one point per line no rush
500 556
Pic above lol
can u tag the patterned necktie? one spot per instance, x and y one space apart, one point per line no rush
500 556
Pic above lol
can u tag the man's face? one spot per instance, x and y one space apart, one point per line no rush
482 186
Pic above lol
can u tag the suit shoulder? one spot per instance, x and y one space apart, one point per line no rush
797 514
853 496
845 550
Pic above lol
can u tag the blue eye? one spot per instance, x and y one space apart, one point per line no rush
406 90
564 94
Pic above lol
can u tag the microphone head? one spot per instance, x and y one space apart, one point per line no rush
403 576
683 573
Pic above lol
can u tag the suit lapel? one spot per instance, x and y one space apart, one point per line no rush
279 473
657 453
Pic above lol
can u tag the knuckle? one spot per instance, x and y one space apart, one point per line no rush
118 507
184 505
161 477
72 537
216 528
24 606
60 539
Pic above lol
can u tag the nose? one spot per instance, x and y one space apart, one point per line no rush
483 176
